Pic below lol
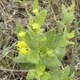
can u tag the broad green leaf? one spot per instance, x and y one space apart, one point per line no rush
40 68
68 18
60 41
57 41
52 62
65 73
20 59
33 57
35 5
71 35
72 7
46 76
60 52
56 74
60 26
41 17
27 66
31 21
50 38
64 10
30 75
30 40
19 28
41 38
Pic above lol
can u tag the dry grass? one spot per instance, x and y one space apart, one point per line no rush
12 12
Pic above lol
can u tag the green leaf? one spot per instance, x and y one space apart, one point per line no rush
41 38
40 19
27 66
65 73
52 62
30 75
56 74
57 41
72 7
35 5
30 40
60 52
40 68
46 76
31 21
20 59
19 28
71 35
50 38
33 57
65 33
64 10
60 41
60 26
68 18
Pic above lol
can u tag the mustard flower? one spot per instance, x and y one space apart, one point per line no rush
21 34
23 51
35 26
35 11
21 44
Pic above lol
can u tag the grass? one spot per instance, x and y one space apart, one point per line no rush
12 12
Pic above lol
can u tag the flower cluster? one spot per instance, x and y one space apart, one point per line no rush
21 34
36 27
35 11
22 45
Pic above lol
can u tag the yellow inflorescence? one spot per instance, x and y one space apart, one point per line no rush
23 51
35 11
35 26
21 34
21 44
22 47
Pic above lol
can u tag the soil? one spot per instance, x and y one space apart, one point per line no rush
12 12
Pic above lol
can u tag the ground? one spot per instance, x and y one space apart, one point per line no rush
12 12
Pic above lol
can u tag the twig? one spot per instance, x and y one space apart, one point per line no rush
9 70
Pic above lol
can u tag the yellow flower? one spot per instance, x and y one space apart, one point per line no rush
21 34
35 26
23 51
21 44
35 11
49 52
